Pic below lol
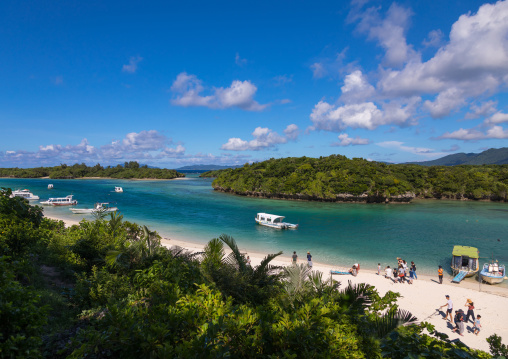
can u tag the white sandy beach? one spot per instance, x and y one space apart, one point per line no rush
423 298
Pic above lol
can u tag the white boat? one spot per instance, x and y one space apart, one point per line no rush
60 201
50 186
274 221
24 193
118 189
102 207
493 273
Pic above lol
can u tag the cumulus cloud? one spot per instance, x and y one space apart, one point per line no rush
356 88
292 131
132 67
345 140
365 115
474 62
188 89
389 32
134 146
489 129
264 138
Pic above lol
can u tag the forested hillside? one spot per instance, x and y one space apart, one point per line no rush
492 156
107 289
337 178
129 170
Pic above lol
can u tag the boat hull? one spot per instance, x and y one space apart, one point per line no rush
491 279
92 210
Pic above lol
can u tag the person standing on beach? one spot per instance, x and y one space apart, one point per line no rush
440 274
309 259
449 310
294 259
470 311
413 270
459 321
248 261
379 269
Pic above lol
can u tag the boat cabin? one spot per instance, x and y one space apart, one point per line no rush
465 259
269 218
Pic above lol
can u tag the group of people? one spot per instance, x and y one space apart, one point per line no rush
459 319
400 273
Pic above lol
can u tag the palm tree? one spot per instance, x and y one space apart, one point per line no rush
232 274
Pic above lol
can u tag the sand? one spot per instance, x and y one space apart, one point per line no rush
423 298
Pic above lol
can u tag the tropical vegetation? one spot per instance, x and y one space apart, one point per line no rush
107 288
129 170
337 178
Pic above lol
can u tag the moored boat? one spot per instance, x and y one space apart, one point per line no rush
24 193
493 273
60 201
101 207
118 189
274 221
50 186
464 262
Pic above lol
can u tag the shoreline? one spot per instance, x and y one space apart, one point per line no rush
423 298
98 178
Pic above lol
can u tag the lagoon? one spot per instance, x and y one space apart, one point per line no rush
335 233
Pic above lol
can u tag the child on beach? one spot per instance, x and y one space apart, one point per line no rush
477 325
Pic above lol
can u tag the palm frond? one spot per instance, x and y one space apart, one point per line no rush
390 321
264 267
235 258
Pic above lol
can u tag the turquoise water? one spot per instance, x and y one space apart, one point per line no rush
424 231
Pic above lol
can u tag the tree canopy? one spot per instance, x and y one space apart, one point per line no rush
337 178
129 170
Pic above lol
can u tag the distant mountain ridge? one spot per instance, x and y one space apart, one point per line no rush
205 167
492 156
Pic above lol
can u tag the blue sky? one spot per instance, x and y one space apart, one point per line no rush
178 83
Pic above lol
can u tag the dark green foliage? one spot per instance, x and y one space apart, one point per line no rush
498 349
21 316
128 171
337 178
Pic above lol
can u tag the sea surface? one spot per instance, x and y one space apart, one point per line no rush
335 233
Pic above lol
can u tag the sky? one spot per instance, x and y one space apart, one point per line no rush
176 83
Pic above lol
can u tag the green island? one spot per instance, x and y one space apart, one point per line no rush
338 179
107 288
130 170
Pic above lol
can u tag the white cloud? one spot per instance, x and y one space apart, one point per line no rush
356 88
446 102
240 94
264 138
365 115
474 62
345 140
292 131
497 118
132 67
389 32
